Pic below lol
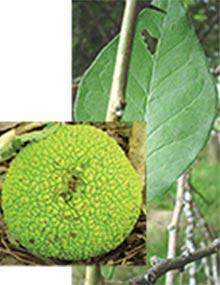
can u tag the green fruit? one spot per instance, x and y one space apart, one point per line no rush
72 195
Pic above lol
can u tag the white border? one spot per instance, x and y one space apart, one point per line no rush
35 60
38 275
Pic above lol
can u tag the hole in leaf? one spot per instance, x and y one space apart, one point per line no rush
150 41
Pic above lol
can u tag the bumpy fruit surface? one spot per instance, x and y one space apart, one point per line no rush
72 195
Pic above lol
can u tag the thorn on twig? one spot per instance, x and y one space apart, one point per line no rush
119 110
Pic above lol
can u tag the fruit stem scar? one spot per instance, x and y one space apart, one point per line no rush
72 183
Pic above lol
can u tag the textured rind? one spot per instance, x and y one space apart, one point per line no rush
105 204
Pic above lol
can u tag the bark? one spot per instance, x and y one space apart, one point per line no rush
119 81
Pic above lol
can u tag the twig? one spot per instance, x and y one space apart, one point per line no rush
21 129
196 191
17 257
27 127
205 228
177 263
205 264
5 126
181 278
93 275
189 246
6 138
215 276
173 226
208 234
119 81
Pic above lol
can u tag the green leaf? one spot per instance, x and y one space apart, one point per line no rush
170 89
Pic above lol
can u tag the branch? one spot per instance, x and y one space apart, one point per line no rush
205 263
4 126
173 226
93 275
208 235
189 246
119 81
177 263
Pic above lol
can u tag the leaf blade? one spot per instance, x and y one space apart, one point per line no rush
172 90
181 103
